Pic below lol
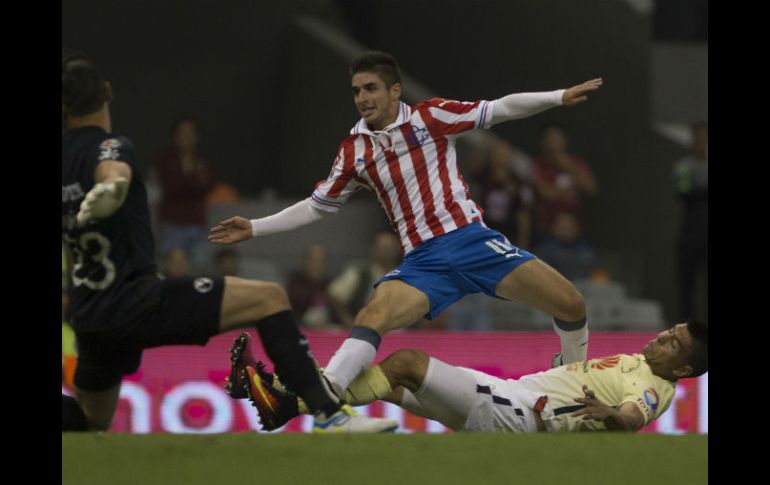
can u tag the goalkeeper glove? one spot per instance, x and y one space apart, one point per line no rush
103 200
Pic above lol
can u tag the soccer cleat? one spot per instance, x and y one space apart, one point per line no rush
240 357
275 408
270 378
275 381
346 420
557 361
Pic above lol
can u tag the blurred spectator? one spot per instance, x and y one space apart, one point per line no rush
226 262
176 263
561 179
353 288
185 177
222 193
565 250
506 198
691 178
307 289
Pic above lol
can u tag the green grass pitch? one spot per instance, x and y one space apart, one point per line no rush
400 459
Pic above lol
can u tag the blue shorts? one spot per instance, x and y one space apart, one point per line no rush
472 259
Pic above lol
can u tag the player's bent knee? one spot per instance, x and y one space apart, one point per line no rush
268 298
274 295
406 367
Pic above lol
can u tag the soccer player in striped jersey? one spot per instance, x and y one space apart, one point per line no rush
406 156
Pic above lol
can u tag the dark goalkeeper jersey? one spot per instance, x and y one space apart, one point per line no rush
111 258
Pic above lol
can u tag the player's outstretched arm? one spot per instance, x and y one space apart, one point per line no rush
626 418
238 229
578 94
231 231
523 105
112 179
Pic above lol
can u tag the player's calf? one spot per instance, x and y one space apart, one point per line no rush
571 306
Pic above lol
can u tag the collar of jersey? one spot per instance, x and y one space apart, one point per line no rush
404 113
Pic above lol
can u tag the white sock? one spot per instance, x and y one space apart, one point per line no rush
574 343
352 358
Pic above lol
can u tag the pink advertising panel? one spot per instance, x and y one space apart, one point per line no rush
181 389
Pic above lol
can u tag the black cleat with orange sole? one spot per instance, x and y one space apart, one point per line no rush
275 407
240 357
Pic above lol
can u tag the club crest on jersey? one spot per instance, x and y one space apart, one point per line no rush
417 136
651 398
203 284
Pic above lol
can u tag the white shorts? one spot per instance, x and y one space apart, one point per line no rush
468 400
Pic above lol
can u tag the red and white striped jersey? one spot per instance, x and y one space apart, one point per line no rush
411 166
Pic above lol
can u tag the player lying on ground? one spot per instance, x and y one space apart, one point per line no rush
406 156
619 393
119 306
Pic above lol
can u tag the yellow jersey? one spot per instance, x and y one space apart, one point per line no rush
615 380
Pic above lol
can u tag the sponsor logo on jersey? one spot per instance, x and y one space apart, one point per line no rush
651 398
605 362
203 284
515 254
109 149
71 192
109 154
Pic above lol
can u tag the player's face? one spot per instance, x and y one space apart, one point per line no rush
376 104
667 353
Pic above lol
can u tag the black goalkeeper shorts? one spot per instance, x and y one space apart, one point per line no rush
183 311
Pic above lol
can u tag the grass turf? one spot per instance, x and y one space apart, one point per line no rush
479 458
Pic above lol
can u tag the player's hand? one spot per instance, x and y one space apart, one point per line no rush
102 201
231 231
577 94
595 409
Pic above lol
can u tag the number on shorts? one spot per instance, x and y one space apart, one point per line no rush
499 246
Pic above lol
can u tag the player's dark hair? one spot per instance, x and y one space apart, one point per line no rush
698 358
83 90
380 63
